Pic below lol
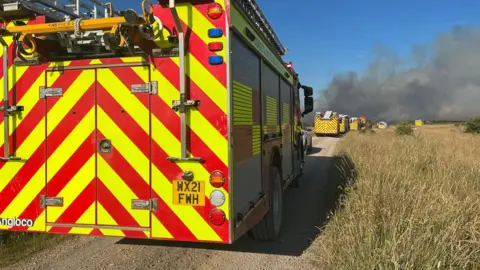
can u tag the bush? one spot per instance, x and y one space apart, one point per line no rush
404 128
472 125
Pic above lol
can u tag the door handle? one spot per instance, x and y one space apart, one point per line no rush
105 146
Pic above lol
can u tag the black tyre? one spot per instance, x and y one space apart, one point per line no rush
269 227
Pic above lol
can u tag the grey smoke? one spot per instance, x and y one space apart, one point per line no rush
440 81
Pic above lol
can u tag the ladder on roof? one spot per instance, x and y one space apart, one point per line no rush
59 10
256 16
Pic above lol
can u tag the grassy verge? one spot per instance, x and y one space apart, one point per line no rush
18 246
415 203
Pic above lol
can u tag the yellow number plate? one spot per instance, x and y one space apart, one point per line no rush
189 193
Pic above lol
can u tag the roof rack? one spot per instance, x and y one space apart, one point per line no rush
252 10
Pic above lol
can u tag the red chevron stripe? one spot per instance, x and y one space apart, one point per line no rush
79 205
41 108
116 210
21 87
96 232
207 108
38 157
136 135
196 46
171 120
61 179
168 117
142 140
197 146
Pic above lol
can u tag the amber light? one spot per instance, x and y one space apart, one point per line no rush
214 11
217 179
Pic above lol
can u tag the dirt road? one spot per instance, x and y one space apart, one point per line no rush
305 209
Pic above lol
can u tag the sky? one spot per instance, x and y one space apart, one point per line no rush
328 37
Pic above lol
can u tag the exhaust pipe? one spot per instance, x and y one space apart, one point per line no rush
6 134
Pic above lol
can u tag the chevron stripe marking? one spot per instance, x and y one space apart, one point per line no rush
188 215
67 172
208 135
141 139
198 39
162 112
78 207
75 186
27 140
73 165
114 183
56 161
33 147
101 211
170 144
83 220
185 214
114 213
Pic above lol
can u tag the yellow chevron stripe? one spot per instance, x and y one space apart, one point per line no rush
199 24
158 230
30 98
39 224
206 81
171 146
188 215
84 219
199 124
72 190
167 141
122 193
57 113
194 222
108 220
55 163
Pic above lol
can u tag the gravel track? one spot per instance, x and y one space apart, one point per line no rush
304 209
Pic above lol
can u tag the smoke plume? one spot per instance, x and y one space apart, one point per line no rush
440 81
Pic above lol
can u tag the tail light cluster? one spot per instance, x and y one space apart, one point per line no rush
217 198
215 12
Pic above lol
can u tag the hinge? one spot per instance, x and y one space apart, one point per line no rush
151 88
151 204
50 92
11 109
50 201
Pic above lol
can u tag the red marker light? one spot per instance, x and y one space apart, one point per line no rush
217 217
215 46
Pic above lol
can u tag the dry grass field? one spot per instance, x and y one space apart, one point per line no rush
415 203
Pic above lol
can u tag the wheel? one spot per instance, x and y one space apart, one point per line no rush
269 227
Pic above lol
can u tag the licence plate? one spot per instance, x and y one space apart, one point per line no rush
189 193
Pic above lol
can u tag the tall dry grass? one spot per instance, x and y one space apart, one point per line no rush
414 205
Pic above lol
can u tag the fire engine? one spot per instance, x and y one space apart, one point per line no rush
177 122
